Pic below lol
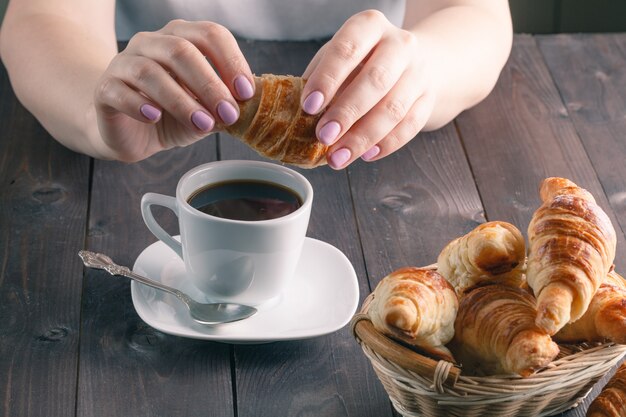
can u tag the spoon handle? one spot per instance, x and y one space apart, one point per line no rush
101 261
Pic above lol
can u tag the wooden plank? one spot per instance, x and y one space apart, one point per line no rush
413 202
521 134
126 367
410 204
324 376
590 73
43 212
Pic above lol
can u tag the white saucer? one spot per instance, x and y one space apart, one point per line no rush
321 298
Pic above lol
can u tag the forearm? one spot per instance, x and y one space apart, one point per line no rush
54 71
467 45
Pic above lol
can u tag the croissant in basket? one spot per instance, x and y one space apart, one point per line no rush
572 247
615 279
605 319
612 400
274 124
495 332
416 306
492 252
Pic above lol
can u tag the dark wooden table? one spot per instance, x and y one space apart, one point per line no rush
71 343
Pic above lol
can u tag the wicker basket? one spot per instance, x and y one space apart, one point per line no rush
420 386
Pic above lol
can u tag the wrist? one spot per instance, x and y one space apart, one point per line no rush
431 77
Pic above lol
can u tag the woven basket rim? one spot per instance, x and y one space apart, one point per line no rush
581 364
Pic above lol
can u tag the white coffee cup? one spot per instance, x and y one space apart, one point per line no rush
247 262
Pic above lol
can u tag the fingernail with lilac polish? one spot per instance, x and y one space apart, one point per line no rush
150 112
339 158
227 112
313 103
202 120
371 153
243 87
329 132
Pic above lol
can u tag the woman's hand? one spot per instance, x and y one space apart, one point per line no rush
162 92
380 87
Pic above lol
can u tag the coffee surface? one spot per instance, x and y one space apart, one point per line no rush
247 200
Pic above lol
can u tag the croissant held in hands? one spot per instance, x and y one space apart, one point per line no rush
274 124
416 306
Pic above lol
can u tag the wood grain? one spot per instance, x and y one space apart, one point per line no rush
126 367
410 204
324 376
521 134
590 74
43 211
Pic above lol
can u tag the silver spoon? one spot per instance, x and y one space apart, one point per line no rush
213 313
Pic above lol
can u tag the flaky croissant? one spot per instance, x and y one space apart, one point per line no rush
273 123
493 251
611 402
605 318
615 279
416 306
495 332
572 247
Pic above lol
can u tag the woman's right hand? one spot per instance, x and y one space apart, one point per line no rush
162 91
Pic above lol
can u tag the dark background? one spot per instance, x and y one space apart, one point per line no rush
556 16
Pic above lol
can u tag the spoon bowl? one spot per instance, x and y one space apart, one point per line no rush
203 313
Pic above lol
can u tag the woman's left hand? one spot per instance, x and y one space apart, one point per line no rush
379 83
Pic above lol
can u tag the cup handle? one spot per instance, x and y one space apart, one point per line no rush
147 201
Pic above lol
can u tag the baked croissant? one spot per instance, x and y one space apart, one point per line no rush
605 319
416 306
615 279
611 402
572 247
493 251
274 124
495 332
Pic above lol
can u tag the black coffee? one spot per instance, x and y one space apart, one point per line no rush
245 200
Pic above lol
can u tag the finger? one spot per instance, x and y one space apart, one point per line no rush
151 79
377 123
220 46
113 96
350 45
404 132
374 81
314 62
191 69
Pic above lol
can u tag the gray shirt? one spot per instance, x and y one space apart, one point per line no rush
252 19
